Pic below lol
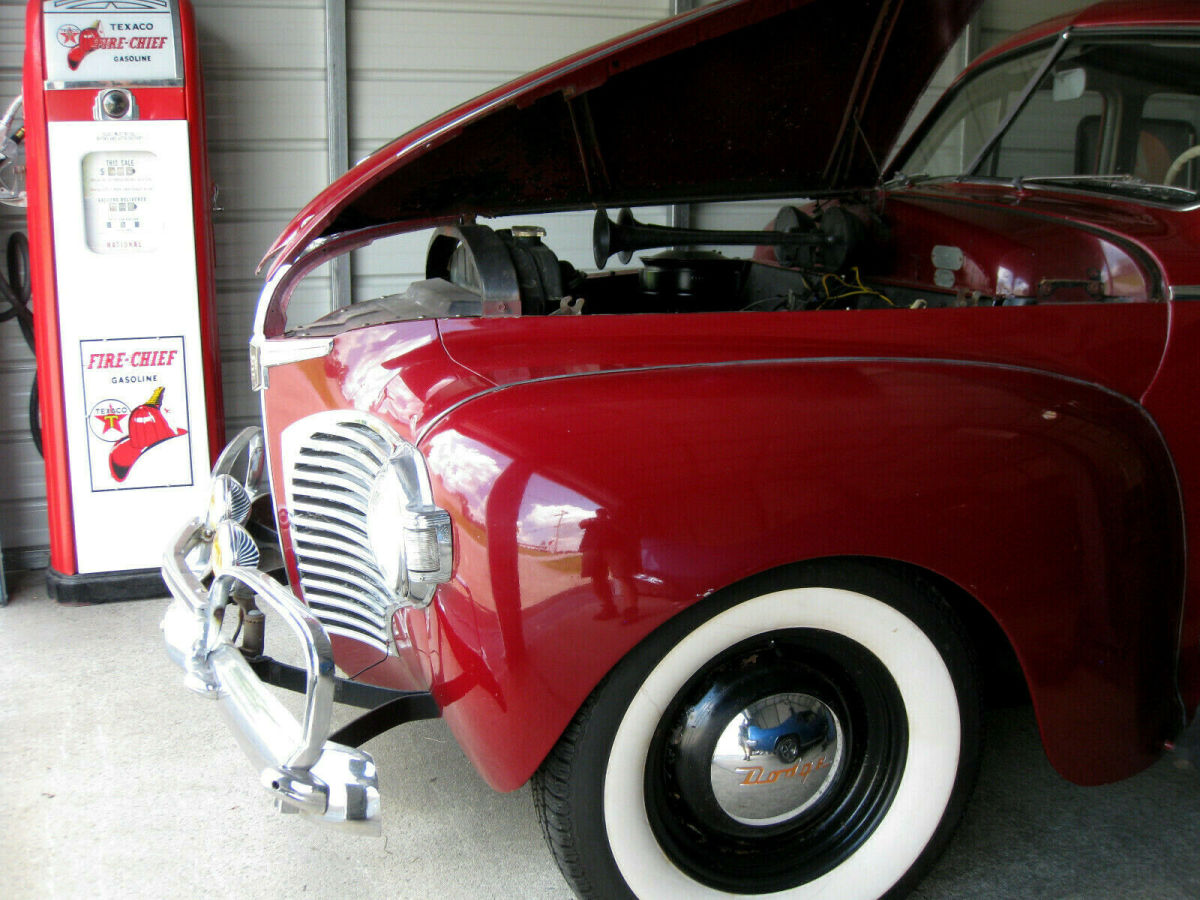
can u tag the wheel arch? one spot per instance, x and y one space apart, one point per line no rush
1045 509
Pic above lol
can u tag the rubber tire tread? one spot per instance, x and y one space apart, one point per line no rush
552 801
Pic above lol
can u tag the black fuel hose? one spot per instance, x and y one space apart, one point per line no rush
16 291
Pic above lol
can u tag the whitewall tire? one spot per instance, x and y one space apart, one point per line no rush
810 734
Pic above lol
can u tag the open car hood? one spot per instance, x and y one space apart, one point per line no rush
746 98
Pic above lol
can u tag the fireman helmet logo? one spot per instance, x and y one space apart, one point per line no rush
148 427
86 41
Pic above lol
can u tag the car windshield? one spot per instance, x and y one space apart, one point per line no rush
1113 115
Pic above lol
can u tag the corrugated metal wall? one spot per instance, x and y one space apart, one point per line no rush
264 64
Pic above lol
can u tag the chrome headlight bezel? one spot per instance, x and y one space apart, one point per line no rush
409 535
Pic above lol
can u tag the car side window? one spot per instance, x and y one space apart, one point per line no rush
1170 123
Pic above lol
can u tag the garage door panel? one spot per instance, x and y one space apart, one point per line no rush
477 37
383 108
271 112
12 40
260 36
265 187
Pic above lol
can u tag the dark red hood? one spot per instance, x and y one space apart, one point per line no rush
740 99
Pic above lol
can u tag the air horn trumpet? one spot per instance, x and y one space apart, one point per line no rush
836 232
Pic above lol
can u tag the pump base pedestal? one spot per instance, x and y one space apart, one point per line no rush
105 587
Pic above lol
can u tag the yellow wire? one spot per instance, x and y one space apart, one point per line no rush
852 290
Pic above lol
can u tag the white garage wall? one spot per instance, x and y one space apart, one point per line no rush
264 63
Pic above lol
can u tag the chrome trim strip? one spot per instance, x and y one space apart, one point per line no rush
334 612
428 426
319 573
339 619
100 85
346 440
313 489
267 353
351 478
303 507
350 618
329 533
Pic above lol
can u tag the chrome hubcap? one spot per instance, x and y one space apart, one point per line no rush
775 761
776 758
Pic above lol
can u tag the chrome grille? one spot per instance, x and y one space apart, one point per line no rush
330 461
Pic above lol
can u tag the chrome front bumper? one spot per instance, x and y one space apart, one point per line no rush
303 770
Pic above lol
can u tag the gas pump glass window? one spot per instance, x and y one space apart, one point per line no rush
1067 128
118 194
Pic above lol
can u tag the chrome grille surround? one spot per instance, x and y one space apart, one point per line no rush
330 461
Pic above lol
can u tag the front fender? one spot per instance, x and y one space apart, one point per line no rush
588 510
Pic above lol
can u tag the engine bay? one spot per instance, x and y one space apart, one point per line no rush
801 262
842 256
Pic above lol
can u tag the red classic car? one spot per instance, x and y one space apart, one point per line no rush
933 431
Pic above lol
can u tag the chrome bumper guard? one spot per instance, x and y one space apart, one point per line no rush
303 770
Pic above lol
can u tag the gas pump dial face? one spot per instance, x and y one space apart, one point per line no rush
118 201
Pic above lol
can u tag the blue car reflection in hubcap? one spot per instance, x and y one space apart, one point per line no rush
767 773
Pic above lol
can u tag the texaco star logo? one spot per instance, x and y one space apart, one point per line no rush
108 420
68 36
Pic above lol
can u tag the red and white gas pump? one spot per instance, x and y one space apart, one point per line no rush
121 262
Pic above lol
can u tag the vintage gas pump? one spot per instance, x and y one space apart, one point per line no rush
121 264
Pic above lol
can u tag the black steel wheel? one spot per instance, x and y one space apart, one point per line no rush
868 681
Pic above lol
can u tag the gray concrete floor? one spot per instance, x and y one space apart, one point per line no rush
118 783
